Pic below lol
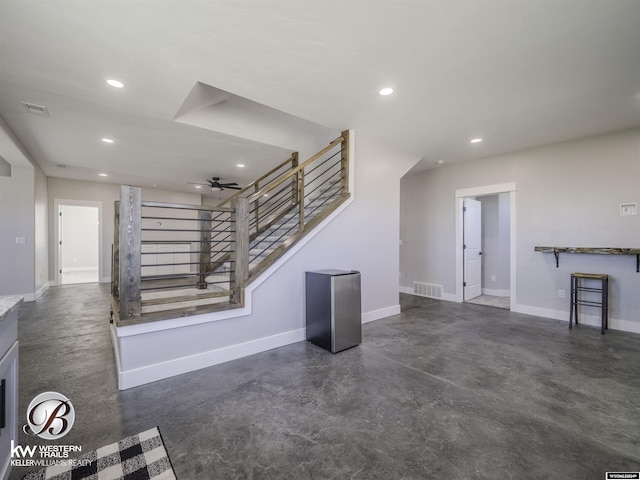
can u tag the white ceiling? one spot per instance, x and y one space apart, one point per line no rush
516 73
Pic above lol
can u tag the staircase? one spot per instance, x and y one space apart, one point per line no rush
281 232
230 245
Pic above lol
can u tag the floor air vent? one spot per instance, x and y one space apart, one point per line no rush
427 290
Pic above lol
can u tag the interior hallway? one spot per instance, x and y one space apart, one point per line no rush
443 390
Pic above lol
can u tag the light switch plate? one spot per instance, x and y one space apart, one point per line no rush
21 240
628 209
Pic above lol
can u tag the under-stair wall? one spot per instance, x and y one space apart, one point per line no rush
361 235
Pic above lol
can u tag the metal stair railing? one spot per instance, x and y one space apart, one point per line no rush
217 251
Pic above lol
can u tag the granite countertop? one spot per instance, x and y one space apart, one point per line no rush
8 303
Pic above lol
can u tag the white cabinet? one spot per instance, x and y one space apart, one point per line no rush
8 380
156 256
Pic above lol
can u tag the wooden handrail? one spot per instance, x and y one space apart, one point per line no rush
258 180
180 206
293 172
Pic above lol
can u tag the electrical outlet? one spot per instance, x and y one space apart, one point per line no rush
627 209
560 293
493 278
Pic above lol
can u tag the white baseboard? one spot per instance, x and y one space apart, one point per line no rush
32 297
496 293
381 313
42 290
407 290
172 367
116 350
585 318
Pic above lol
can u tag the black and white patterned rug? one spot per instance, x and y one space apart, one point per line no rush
138 457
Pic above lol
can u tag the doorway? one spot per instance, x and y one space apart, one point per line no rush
78 236
485 245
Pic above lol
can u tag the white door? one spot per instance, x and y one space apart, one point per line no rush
472 234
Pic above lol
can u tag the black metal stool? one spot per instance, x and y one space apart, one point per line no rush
577 287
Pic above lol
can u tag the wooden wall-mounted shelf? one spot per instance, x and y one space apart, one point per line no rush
591 250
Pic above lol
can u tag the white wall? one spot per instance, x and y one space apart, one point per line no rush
17 206
107 194
41 216
23 213
568 194
363 237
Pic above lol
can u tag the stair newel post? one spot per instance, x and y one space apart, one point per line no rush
240 250
301 201
294 180
130 241
204 262
256 208
115 254
344 154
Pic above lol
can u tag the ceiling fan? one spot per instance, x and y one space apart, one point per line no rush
216 186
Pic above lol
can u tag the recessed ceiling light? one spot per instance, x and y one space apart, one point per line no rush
103 174
440 162
154 185
240 165
107 140
386 91
476 140
115 83
198 186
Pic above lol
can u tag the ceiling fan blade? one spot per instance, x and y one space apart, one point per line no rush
233 188
228 184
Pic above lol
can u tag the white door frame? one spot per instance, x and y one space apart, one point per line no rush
59 202
509 188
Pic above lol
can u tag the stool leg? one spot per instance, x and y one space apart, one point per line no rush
572 303
605 305
576 285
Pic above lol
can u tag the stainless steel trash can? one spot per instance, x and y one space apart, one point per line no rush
333 309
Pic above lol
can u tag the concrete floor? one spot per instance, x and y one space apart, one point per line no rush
442 391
